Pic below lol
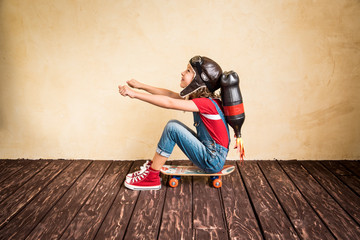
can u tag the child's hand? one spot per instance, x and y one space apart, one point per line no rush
134 84
126 91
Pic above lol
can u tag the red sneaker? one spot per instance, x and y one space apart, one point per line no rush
148 180
143 168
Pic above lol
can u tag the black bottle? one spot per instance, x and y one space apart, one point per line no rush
232 101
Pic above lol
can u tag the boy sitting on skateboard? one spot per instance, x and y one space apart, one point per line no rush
208 147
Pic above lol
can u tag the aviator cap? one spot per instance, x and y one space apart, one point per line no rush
207 74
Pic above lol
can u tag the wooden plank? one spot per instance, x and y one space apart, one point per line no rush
337 220
307 224
116 221
9 167
352 182
62 202
337 189
210 234
59 217
346 176
11 184
29 190
337 168
273 219
207 206
145 220
176 222
88 220
4 162
20 226
241 220
353 166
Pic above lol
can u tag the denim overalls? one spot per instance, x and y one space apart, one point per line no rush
199 147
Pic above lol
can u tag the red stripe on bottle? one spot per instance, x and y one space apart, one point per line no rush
234 110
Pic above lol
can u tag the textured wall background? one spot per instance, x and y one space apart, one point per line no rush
61 62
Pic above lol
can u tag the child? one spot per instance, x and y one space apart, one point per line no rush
208 147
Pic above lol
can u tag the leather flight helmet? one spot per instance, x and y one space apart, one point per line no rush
207 74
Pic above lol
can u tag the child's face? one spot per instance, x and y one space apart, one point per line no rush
187 76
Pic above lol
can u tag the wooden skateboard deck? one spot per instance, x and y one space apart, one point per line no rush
194 171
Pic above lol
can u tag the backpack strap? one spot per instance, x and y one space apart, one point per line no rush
222 117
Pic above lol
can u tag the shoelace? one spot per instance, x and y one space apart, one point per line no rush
140 177
142 169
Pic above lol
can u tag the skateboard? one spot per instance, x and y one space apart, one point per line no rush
176 172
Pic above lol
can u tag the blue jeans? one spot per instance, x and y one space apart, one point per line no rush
199 147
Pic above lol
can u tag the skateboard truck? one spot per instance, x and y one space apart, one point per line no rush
215 181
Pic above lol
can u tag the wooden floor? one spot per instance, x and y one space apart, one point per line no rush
261 200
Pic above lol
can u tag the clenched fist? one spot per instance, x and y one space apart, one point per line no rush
126 91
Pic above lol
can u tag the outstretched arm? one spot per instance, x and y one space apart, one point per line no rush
160 100
153 90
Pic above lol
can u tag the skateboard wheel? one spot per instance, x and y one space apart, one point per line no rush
173 182
217 183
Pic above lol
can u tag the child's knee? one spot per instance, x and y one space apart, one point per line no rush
172 125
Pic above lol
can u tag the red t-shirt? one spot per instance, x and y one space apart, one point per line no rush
214 124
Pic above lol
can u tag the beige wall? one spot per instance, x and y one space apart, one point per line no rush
61 62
